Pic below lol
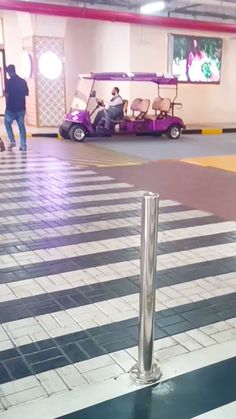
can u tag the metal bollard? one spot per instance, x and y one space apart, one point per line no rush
145 371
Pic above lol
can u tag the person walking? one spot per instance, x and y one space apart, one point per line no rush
15 92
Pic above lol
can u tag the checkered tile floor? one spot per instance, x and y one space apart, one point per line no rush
69 266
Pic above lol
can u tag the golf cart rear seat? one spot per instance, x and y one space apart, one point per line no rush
161 108
139 108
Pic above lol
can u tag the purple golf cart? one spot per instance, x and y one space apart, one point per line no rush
141 117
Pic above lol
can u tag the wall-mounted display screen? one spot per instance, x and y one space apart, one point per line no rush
195 59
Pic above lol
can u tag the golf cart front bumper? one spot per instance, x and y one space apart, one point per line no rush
64 129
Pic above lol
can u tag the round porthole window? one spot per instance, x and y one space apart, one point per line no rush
27 67
50 65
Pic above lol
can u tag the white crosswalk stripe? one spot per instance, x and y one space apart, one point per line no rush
174 259
27 236
67 214
82 188
57 201
79 175
72 320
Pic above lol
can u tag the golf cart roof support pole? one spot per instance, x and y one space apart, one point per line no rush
92 88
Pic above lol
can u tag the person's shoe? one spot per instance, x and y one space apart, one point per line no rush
11 146
23 149
2 145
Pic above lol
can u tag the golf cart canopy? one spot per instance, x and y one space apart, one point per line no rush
144 77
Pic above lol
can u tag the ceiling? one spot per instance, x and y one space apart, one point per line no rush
212 10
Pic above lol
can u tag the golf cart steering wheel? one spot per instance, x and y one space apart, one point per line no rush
100 102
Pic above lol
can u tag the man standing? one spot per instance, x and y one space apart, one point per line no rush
15 92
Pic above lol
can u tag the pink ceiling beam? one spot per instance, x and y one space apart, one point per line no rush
112 16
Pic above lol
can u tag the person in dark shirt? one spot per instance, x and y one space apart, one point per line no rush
16 90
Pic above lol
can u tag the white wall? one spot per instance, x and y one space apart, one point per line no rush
25 24
48 25
112 53
92 46
12 39
79 52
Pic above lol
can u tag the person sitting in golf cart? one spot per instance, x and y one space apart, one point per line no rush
114 110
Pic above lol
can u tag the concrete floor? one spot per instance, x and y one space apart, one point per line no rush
136 148
162 148
205 188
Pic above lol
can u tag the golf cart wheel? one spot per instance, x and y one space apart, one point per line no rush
174 132
77 133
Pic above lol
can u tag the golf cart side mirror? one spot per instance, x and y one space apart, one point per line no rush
93 93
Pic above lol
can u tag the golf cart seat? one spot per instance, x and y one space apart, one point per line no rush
156 108
144 108
139 106
136 106
165 106
161 108
125 107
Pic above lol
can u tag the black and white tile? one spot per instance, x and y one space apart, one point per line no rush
69 267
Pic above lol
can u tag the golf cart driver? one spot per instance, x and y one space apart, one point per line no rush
114 111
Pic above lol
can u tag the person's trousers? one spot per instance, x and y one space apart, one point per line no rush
103 115
100 115
19 117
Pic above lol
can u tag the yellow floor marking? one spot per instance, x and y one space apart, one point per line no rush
212 131
227 162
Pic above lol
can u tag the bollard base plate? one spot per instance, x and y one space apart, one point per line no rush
147 377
